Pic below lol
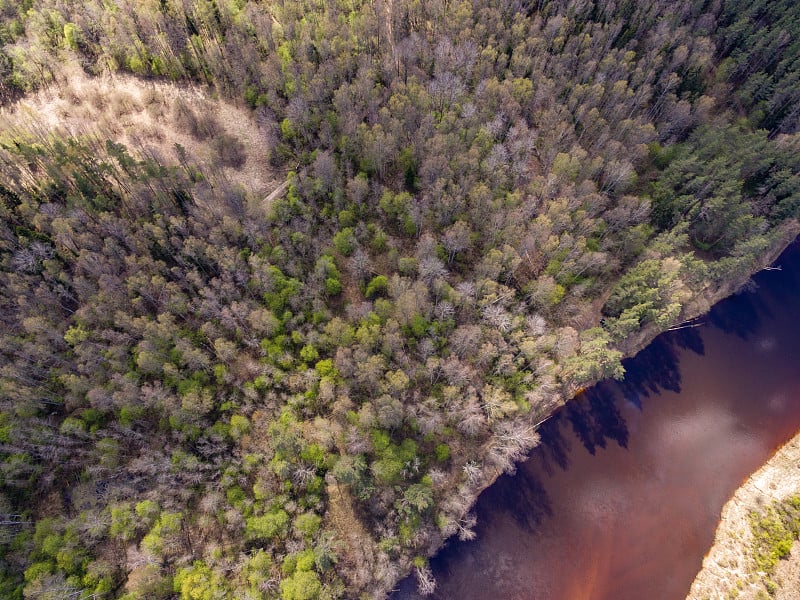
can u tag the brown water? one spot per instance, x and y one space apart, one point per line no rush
622 499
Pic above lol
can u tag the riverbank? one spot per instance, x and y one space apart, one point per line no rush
696 307
729 568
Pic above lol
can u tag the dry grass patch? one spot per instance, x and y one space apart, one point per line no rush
177 123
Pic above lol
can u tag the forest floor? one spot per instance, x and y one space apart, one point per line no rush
728 568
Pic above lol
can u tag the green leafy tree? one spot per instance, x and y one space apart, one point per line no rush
199 582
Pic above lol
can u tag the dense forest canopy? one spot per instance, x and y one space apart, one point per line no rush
208 394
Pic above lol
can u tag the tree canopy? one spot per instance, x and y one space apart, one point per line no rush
210 391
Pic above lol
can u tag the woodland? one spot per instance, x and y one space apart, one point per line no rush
209 391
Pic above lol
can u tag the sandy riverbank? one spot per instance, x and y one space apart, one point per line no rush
728 569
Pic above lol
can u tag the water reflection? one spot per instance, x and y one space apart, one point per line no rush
622 497
595 419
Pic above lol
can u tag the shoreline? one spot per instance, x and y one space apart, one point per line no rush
728 569
696 307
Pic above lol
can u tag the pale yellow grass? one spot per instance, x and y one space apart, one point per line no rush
140 114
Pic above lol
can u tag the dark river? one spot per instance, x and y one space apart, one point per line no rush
622 499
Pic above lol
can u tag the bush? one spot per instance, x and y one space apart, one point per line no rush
308 524
377 287
345 241
199 582
442 452
333 286
264 528
774 533
303 585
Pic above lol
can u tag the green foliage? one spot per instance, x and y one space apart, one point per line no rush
774 532
333 286
392 462
123 522
283 290
418 326
302 585
298 561
308 524
235 496
168 334
397 208
325 368
442 452
377 286
240 425
650 291
75 335
199 582
566 166
147 511
347 218
166 526
71 36
595 360
6 423
58 551
308 353
345 241
350 470
417 498
72 426
257 570
313 454
265 528
129 414
723 182
326 269
761 63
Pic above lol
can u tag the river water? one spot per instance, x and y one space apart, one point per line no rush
622 499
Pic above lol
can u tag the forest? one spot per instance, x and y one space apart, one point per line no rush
210 391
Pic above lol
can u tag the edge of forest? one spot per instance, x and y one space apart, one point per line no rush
630 346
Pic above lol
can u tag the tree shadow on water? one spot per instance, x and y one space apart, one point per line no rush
656 368
741 314
594 415
522 496
783 280
554 448
596 418
688 339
